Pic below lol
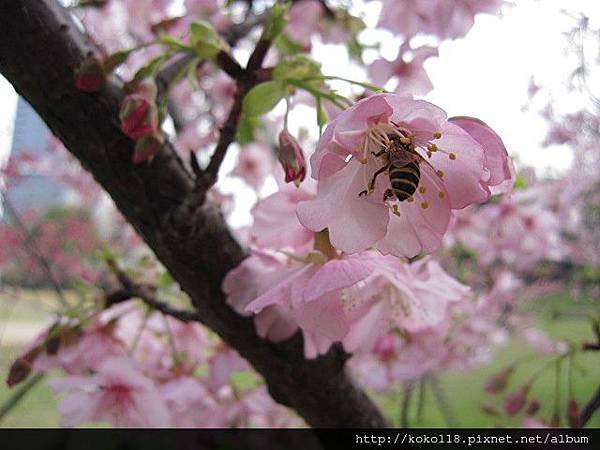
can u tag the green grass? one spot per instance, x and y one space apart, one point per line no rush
560 317
465 393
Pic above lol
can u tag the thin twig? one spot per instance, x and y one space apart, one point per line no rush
131 289
31 243
19 394
590 408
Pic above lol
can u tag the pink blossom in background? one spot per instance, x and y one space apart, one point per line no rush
542 343
453 175
304 17
446 19
190 403
519 233
532 422
117 393
255 163
410 75
87 351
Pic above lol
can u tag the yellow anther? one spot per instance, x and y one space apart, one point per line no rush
364 161
410 199
405 140
440 173
437 135
452 156
441 194
433 148
395 210
422 189
424 205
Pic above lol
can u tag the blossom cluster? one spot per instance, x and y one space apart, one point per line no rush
128 368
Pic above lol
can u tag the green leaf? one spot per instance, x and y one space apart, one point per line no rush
297 66
321 114
263 97
149 70
276 21
247 128
175 44
287 46
206 41
111 62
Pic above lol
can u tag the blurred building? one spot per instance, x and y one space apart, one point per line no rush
30 134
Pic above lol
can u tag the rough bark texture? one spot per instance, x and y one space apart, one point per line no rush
40 49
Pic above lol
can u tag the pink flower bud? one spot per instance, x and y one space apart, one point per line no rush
146 148
498 381
515 402
90 76
139 115
21 368
291 158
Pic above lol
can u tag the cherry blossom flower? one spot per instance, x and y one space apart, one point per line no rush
407 297
411 77
497 162
359 208
253 277
309 291
517 232
117 393
275 223
190 403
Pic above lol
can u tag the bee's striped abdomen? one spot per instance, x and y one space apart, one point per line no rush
405 180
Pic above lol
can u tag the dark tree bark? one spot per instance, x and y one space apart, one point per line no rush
40 49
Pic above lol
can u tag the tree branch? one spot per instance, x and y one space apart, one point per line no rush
40 50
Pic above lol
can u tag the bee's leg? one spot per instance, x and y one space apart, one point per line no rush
371 186
378 154
361 193
388 194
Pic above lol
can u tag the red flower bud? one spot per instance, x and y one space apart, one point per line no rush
139 114
573 414
498 381
146 148
21 368
291 158
90 75
515 402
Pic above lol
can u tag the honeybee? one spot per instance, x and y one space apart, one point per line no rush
403 166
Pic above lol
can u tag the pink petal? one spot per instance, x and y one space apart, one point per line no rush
354 223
